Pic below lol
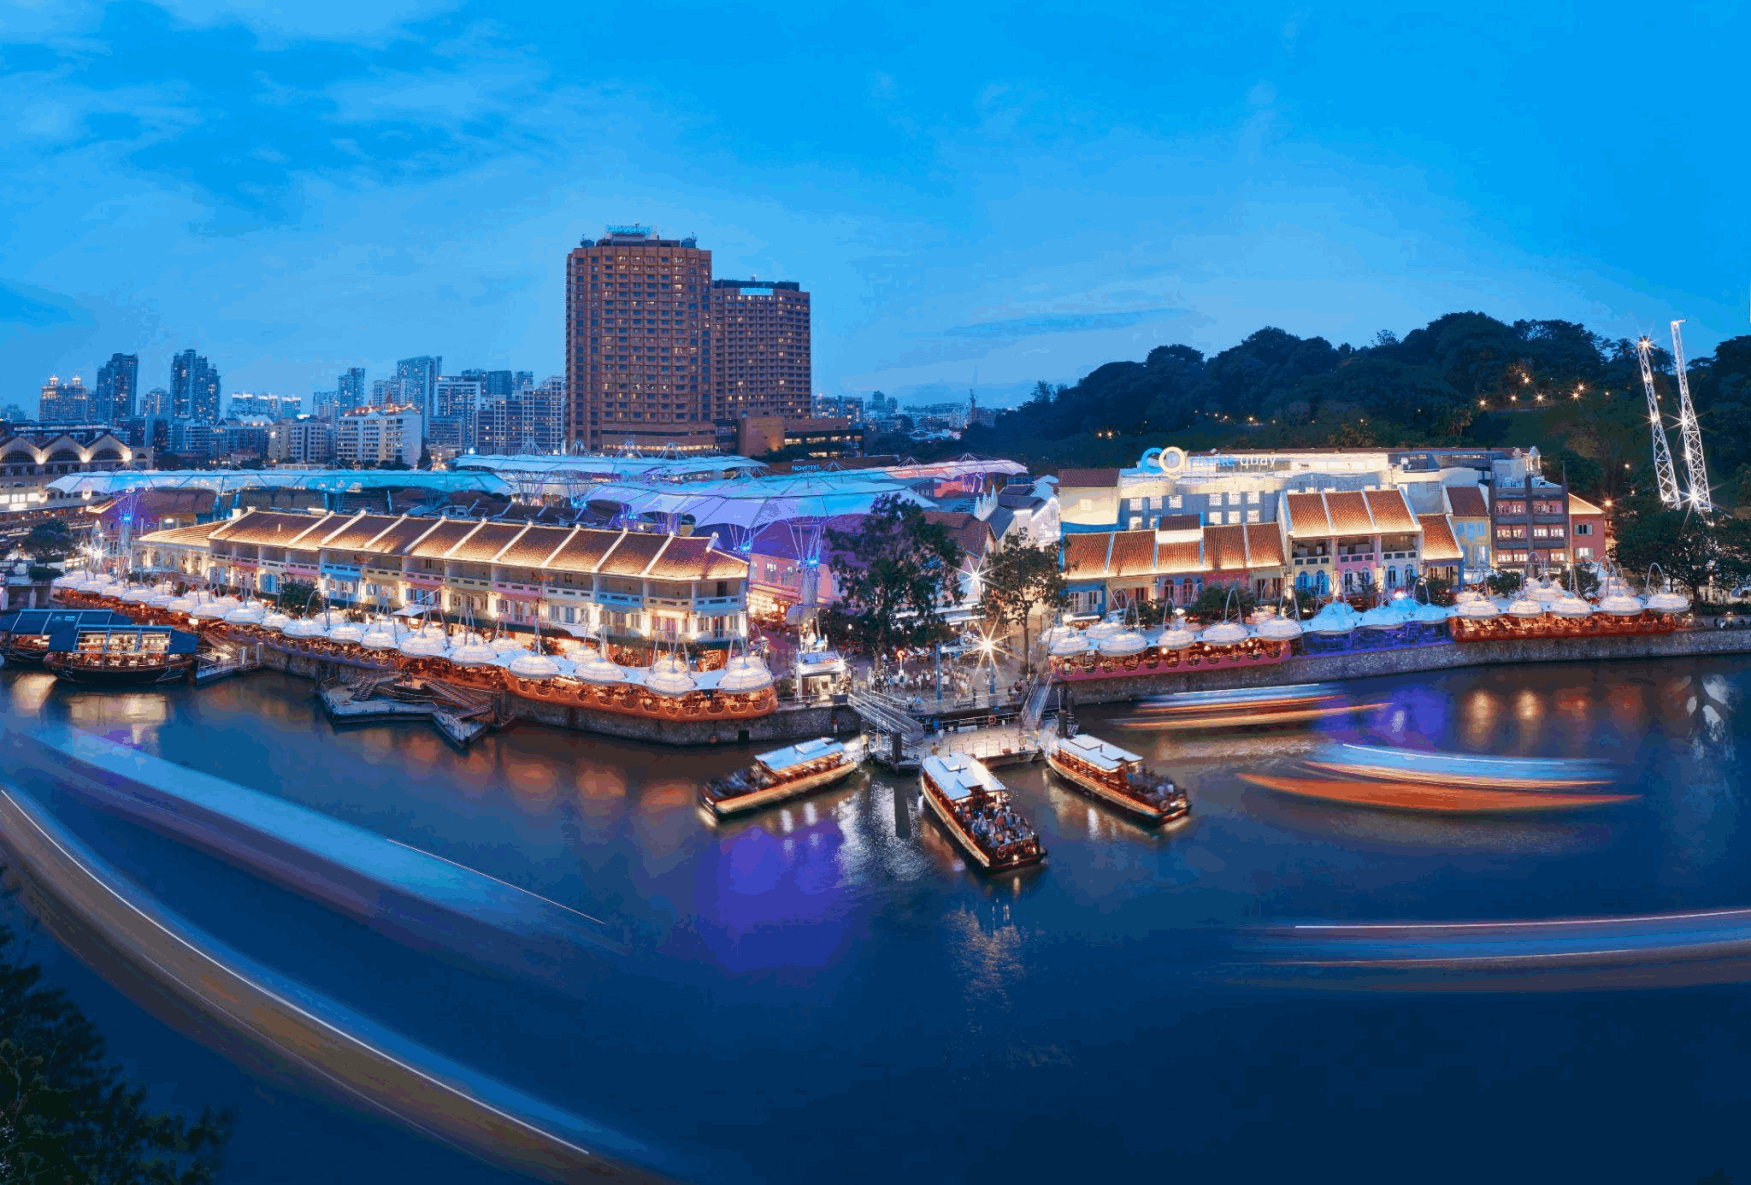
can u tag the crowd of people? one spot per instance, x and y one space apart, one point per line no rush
995 825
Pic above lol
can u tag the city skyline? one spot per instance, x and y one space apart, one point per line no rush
1295 176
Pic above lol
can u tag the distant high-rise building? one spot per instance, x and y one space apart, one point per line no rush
350 390
419 381
638 342
64 403
760 364
494 384
848 406
367 434
529 420
456 404
155 404
118 386
194 388
266 403
301 442
388 393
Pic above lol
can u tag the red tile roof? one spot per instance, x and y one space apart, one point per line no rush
272 527
1179 558
1391 512
446 535
532 547
1439 546
1264 545
1349 513
355 533
1307 516
633 554
970 533
1085 555
1133 554
584 551
403 535
194 534
1225 548
484 545
1467 502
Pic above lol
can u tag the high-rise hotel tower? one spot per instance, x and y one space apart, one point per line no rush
760 349
638 337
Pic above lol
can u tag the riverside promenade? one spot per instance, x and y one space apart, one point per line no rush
1407 660
801 721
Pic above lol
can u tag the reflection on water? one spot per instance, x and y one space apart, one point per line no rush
785 965
597 818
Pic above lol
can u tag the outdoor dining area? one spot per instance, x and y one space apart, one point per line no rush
1540 608
587 673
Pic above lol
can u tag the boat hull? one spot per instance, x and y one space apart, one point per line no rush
118 676
1142 812
970 846
741 804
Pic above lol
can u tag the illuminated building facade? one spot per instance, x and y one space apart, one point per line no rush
638 342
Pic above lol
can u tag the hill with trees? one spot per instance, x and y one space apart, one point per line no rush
1463 379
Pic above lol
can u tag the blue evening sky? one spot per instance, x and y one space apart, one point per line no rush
1008 191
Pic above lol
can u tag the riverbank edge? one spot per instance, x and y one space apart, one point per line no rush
785 724
1410 660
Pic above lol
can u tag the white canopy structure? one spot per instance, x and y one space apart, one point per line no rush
739 507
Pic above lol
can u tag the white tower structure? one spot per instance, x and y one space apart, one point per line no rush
1663 470
1695 470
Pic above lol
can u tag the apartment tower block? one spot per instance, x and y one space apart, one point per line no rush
638 342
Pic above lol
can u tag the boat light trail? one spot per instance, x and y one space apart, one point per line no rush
358 1057
401 890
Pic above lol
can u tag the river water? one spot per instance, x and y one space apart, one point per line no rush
824 991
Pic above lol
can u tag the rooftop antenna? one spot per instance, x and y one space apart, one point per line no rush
1663 470
1695 470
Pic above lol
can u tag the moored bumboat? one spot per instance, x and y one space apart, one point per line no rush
27 635
974 807
781 775
1117 777
122 655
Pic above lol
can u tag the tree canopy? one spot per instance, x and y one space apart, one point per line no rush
49 540
1019 579
1464 379
1690 548
67 1114
895 573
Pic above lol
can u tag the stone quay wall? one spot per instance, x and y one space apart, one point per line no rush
1368 664
788 723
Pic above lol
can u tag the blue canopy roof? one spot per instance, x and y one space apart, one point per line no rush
66 637
47 621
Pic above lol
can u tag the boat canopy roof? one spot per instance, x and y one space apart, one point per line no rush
959 776
47 621
63 638
800 753
1099 753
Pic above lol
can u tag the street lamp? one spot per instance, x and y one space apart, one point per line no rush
988 647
